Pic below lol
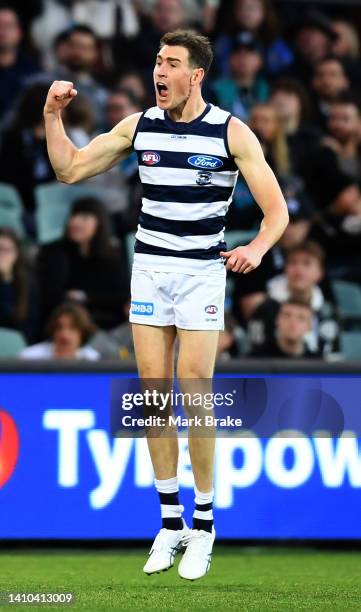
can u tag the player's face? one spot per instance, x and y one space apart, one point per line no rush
172 77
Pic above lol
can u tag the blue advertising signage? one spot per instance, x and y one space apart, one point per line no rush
63 476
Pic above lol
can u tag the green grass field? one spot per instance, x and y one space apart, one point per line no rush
240 579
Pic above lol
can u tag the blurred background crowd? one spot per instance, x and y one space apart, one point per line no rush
290 69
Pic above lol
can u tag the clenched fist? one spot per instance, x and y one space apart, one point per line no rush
59 96
242 259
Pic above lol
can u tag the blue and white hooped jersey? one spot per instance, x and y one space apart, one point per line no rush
188 176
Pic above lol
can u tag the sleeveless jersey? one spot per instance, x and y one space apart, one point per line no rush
188 176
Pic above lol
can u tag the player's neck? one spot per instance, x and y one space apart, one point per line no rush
188 110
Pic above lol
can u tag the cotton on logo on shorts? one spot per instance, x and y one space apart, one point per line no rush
211 309
150 158
143 308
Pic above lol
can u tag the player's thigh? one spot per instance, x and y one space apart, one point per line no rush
197 353
154 350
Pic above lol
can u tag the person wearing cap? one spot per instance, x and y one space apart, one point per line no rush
85 267
245 86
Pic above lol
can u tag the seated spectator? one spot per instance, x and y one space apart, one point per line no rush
266 125
293 107
292 324
15 64
131 81
119 183
69 329
250 290
85 267
303 273
79 120
259 19
347 47
18 302
24 161
344 131
314 37
139 52
329 81
79 66
245 86
117 343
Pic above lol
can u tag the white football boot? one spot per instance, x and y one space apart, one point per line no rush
196 560
166 545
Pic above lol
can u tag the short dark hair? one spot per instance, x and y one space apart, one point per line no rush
80 28
329 58
199 47
296 301
348 98
311 248
79 316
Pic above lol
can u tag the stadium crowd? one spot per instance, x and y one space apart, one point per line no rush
292 73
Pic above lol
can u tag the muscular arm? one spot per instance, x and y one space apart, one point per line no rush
71 164
263 185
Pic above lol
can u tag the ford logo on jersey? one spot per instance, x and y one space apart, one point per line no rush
143 308
150 158
205 161
211 309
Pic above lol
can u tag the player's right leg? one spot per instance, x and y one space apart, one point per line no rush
154 350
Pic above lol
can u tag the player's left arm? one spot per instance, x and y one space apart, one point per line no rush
249 157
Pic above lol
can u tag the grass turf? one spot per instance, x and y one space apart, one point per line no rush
240 579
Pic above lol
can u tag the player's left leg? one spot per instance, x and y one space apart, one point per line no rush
195 367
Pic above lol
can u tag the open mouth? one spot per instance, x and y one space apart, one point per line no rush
162 90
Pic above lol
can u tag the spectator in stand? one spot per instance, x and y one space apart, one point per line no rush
250 290
292 324
24 161
107 18
80 122
293 107
329 82
132 82
18 299
245 86
344 127
69 330
165 16
80 59
15 64
85 267
338 229
265 123
120 184
259 19
347 47
228 345
314 39
303 273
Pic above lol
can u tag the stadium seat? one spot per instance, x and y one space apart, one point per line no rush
53 204
11 209
236 238
351 345
11 342
348 298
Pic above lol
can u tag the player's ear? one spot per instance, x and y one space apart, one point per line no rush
197 76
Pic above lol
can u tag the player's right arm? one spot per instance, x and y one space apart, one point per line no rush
71 164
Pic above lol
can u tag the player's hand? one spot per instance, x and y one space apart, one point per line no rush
242 259
60 94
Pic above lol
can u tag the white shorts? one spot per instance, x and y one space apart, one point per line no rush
187 301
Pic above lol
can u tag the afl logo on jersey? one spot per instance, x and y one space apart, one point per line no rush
149 158
205 161
211 309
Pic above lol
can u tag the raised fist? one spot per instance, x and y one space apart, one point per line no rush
59 96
